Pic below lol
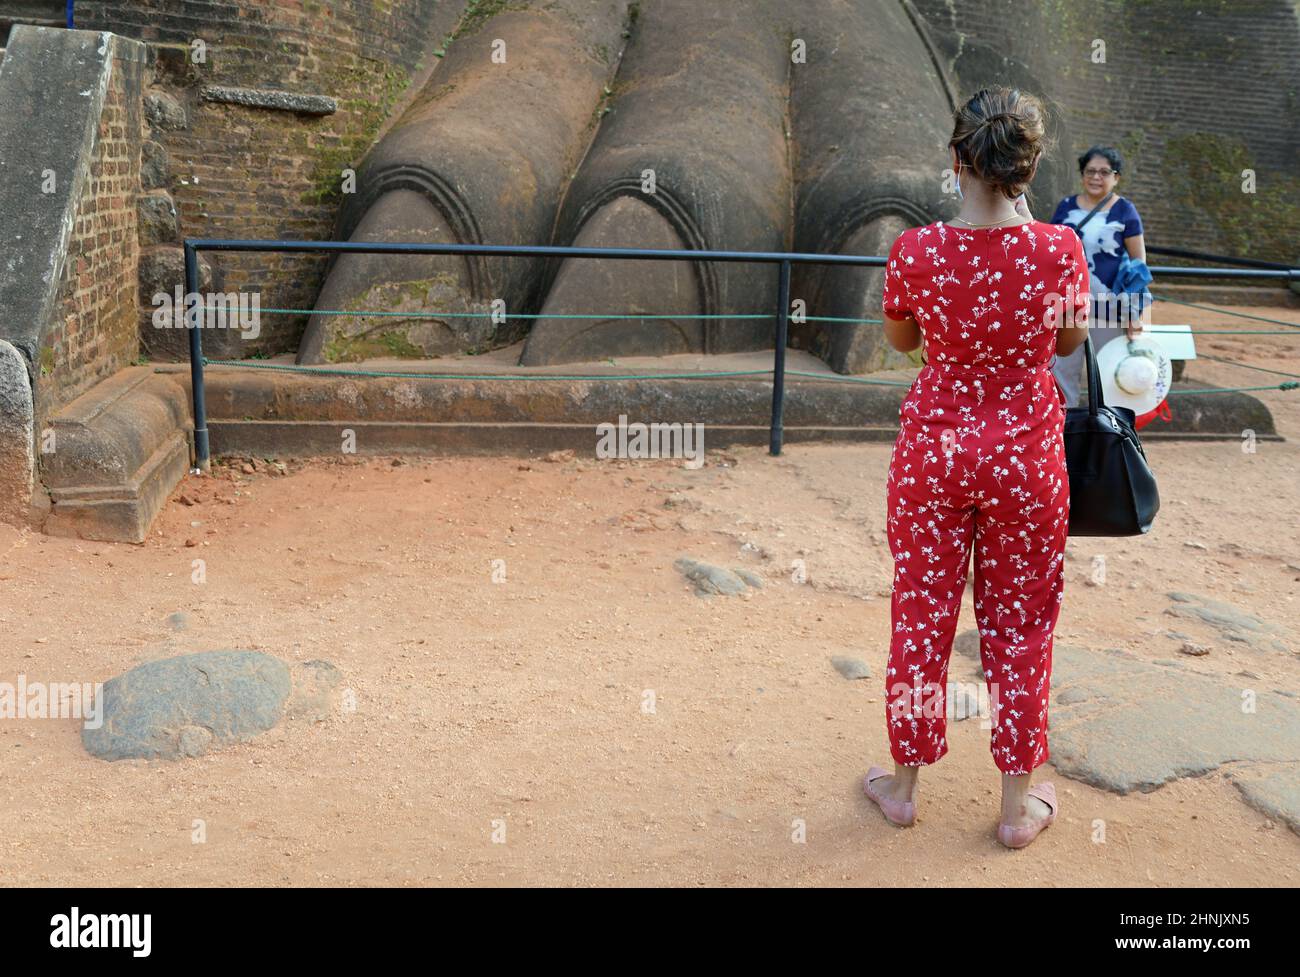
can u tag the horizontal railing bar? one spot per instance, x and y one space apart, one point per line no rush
640 254
1176 271
1221 259
531 251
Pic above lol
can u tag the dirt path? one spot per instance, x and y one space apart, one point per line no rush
523 703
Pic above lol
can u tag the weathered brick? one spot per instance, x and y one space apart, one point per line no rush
257 172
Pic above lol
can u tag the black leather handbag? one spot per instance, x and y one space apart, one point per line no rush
1112 488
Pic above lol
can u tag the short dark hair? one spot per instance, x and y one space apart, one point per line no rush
1109 153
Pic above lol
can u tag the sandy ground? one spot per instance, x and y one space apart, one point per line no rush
521 704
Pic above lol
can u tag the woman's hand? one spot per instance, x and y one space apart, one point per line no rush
1135 326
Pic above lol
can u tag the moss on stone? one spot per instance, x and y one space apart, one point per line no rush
383 85
390 343
412 296
479 12
1203 172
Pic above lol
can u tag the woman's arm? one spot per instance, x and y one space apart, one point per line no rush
901 328
903 334
1137 250
1136 246
1070 337
1071 333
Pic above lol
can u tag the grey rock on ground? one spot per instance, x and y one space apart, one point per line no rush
193 704
313 683
967 644
710 580
1124 724
1273 790
1233 624
851 668
965 702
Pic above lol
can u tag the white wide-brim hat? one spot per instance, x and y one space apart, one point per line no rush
1135 373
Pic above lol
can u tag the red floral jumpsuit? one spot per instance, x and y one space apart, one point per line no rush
979 461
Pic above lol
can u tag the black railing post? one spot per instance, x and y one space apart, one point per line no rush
194 322
778 366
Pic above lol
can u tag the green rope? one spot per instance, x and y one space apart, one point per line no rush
832 318
540 315
1233 332
1247 366
812 318
336 371
840 379
798 374
503 315
1289 385
332 371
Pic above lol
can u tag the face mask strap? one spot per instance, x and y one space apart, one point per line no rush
957 177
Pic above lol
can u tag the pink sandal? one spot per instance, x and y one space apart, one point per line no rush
901 813
1019 837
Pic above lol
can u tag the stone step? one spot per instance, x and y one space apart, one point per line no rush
284 414
269 413
121 448
306 439
118 451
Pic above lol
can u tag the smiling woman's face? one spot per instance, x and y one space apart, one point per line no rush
1098 177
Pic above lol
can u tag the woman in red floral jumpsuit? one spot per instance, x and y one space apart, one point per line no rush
979 461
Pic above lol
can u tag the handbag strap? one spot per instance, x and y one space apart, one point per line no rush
1095 398
1093 213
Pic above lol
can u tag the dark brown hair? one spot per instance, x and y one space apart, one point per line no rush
1001 133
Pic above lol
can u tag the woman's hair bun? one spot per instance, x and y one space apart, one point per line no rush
1000 133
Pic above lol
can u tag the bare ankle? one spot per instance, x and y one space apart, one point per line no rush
905 780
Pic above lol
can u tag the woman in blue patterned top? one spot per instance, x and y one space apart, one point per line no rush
1113 231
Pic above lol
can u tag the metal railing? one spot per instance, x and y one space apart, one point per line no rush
1221 259
782 258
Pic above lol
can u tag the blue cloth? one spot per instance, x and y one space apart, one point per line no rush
1132 278
1103 237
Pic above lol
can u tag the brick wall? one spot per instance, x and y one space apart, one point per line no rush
94 331
235 171
1192 93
